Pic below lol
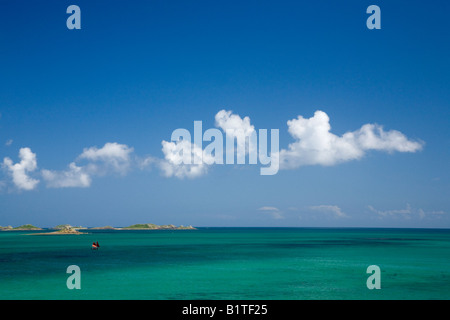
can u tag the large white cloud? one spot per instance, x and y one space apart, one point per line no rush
20 170
316 145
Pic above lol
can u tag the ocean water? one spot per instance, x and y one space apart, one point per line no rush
228 263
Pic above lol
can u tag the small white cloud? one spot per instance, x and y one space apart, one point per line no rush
316 145
233 123
184 159
9 142
335 210
19 171
146 162
406 211
112 155
73 177
236 128
439 212
273 211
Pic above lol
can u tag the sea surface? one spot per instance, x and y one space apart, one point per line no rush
228 263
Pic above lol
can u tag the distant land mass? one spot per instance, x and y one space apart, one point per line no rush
151 226
68 229
104 228
65 226
25 227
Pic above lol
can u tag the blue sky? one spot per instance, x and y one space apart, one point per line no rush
136 72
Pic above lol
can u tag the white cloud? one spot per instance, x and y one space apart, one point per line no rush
236 128
335 210
19 170
439 212
395 212
407 212
144 163
73 177
316 145
273 211
184 159
112 155
9 142
233 123
373 137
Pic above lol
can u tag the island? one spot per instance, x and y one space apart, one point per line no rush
151 226
104 228
66 230
65 226
25 227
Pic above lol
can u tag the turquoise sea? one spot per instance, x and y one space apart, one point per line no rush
228 263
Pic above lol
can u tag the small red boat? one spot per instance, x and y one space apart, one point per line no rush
95 246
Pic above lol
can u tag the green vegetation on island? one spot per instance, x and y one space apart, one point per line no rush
26 227
151 226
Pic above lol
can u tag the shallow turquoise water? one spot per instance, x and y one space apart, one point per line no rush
228 263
